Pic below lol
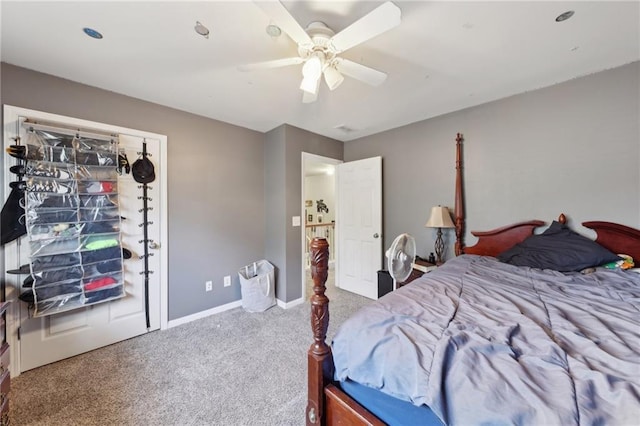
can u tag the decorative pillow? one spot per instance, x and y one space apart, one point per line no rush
625 262
558 248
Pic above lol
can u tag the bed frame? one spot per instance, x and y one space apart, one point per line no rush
327 404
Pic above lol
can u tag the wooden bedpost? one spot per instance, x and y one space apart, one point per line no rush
320 361
459 207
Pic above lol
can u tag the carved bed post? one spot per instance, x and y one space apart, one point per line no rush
320 361
459 207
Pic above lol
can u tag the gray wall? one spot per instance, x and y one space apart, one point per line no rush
573 148
215 174
275 199
283 192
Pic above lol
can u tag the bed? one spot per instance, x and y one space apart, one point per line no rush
485 341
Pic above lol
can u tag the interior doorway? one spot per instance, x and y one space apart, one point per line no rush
318 209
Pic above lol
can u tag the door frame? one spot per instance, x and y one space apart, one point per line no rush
319 159
12 114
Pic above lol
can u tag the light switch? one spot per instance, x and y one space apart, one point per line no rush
295 221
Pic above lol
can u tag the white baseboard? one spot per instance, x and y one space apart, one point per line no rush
204 314
287 305
222 308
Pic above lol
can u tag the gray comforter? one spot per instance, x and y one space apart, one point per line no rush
483 342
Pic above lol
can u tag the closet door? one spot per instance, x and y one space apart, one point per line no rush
52 338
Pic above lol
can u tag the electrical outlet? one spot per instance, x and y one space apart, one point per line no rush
227 281
208 286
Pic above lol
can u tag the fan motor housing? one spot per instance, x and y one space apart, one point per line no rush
320 35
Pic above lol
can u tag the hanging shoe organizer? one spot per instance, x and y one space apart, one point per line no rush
72 219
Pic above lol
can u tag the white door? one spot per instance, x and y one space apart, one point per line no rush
51 338
359 225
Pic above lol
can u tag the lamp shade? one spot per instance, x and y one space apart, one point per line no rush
440 218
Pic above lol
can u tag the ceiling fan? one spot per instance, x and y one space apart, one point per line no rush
319 47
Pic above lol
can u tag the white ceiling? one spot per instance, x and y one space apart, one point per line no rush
443 57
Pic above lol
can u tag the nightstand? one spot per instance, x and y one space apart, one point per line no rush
385 282
420 267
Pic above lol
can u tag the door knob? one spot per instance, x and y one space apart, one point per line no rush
153 245
376 235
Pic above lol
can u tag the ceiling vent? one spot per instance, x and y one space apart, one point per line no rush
345 129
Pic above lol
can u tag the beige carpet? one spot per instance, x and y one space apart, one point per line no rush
234 368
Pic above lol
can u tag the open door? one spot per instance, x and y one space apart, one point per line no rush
359 226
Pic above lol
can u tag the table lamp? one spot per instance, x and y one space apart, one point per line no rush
440 218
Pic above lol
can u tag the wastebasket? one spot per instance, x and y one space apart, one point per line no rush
257 286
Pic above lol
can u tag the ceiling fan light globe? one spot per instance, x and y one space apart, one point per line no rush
333 78
308 98
310 85
312 68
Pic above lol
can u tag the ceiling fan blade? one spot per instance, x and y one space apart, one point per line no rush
360 72
281 16
276 63
378 21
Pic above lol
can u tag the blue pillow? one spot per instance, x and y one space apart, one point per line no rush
558 248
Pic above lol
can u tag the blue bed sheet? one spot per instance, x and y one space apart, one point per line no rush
392 411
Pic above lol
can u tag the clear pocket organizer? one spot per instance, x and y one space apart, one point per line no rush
47 247
49 138
98 214
70 230
60 289
94 173
87 200
51 185
73 221
50 170
42 263
97 186
99 269
101 241
49 200
39 216
52 276
103 294
100 255
102 282
96 158
103 227
58 304
49 154
58 230
95 145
